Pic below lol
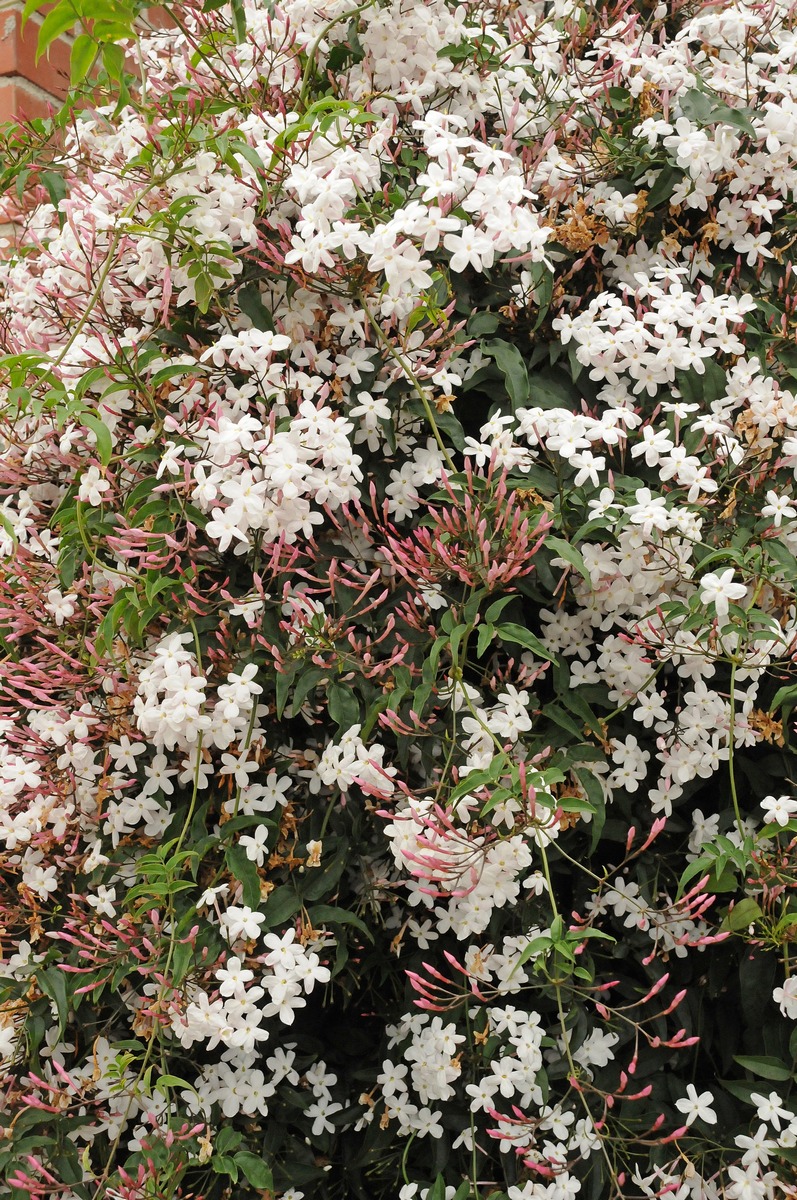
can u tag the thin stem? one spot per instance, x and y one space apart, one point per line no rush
410 374
731 771
313 50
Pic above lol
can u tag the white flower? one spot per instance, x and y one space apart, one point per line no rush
719 590
224 527
786 997
779 808
320 1112
697 1108
770 1108
8 1041
102 903
778 507
242 922
92 487
256 845
60 606
232 977
208 897
756 1148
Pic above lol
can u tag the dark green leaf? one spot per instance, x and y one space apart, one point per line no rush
245 871
326 914
102 436
510 363
53 983
763 1066
257 1172
281 905
666 182
344 708
570 554
511 632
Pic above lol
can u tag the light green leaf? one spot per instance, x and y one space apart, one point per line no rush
102 435
744 913
82 57
570 554
59 19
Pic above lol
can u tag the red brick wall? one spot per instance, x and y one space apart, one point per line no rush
27 89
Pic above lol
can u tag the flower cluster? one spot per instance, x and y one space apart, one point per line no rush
398 606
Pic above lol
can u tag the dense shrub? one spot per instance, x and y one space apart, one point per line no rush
398 607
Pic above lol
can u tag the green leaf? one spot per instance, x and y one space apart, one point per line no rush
5 523
344 708
555 713
696 105
763 1066
323 914
59 19
56 186
113 60
256 1171
482 324
203 291
738 117
245 871
741 1091
570 554
497 607
452 428
536 946
167 1082
578 705
227 1140
102 436
510 363
306 683
31 6
181 961
283 687
543 292
486 635
239 20
666 182
705 387
53 983
82 57
222 1164
517 633
250 303
591 785
744 913
319 883
281 906
574 804
438 1189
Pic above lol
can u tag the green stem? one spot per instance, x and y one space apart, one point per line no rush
731 771
474 1164
169 955
404 1157
410 374
119 232
313 50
